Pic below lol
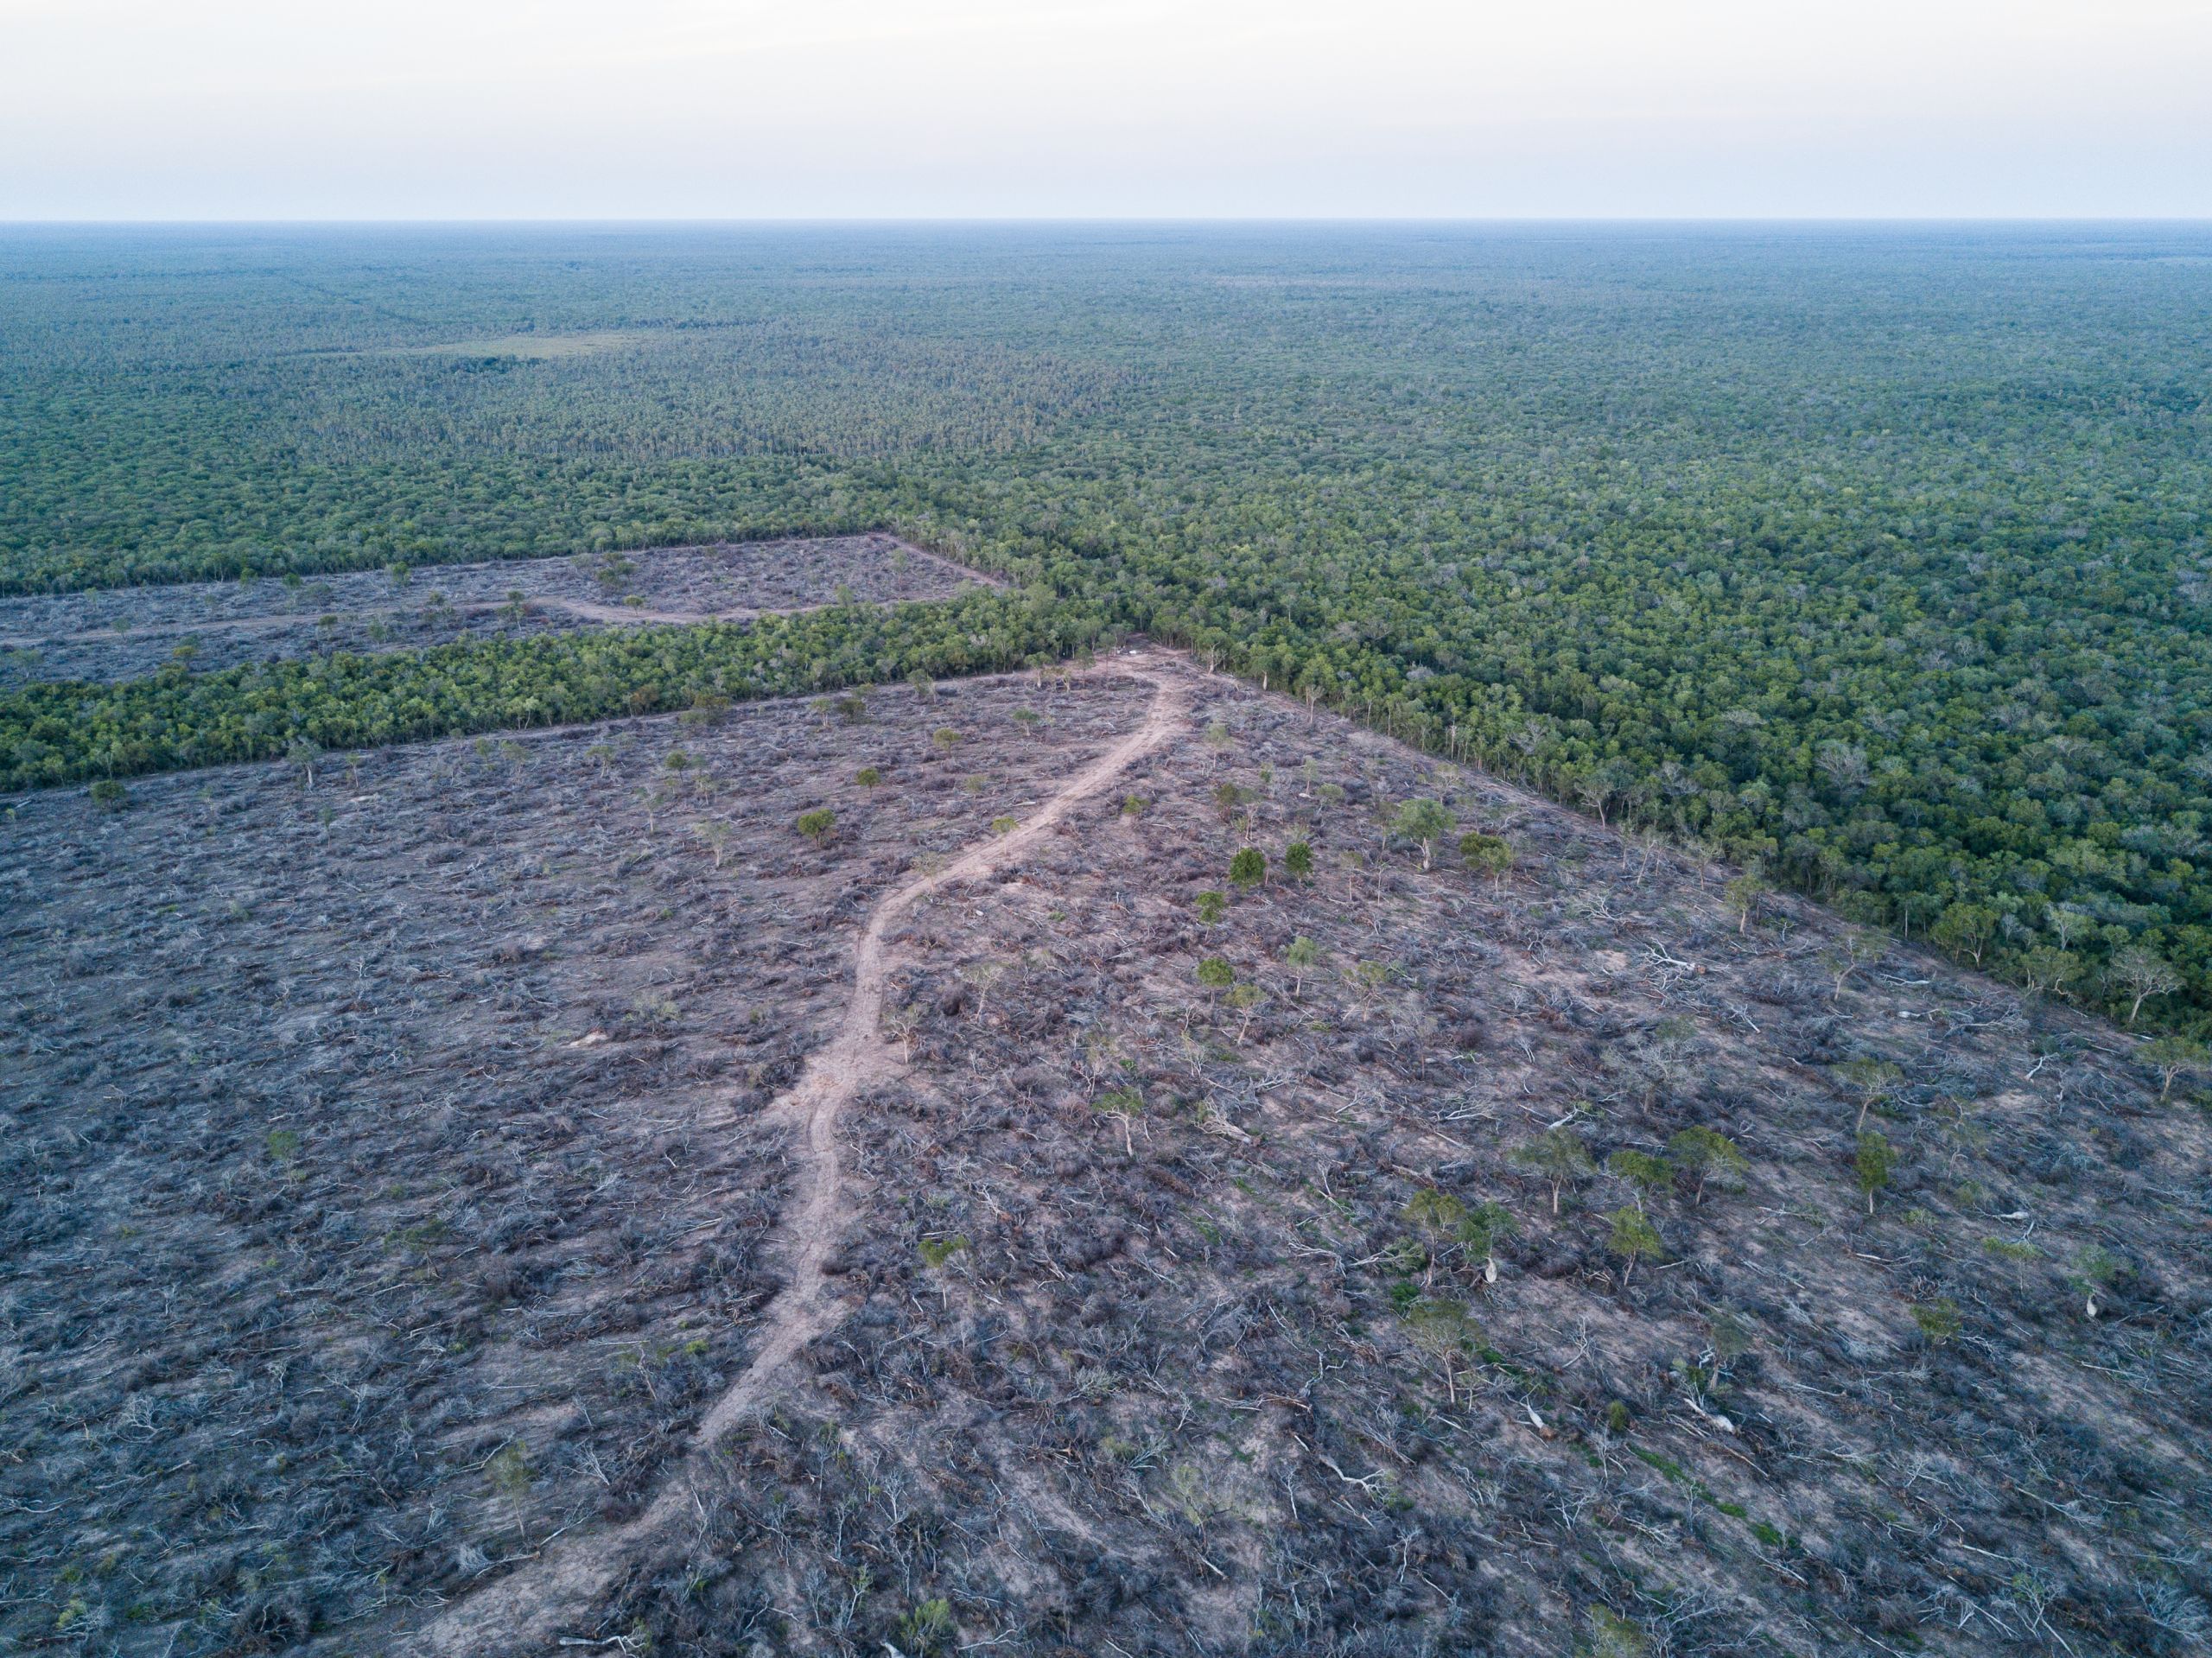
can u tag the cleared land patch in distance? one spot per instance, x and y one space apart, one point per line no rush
535 348
1269 1223
120 633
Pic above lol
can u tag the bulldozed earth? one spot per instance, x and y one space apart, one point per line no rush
563 1192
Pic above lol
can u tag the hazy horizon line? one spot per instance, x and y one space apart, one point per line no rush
1009 220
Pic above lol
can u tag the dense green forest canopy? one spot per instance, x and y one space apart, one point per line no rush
1876 557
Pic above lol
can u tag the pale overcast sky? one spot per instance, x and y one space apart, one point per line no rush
196 109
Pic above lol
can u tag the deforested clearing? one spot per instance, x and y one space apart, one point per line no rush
886 1170
111 634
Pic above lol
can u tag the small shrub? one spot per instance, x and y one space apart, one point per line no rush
818 825
1938 1320
509 1470
928 1628
937 1251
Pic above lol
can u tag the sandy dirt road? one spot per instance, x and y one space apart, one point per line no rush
524 1612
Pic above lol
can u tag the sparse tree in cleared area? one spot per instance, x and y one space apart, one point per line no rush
1633 1238
1480 1230
1219 741
1487 854
1246 999
2171 1057
1872 1080
1703 1154
1848 956
304 754
1743 896
1874 1164
1125 1106
1217 975
818 825
716 834
1424 822
982 975
1560 1155
1648 1175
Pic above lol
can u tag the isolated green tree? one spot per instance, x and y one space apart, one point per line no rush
1633 1238
1702 1154
1217 975
1560 1155
1424 822
1487 854
1874 1164
2173 1057
1872 1080
1648 1175
1848 956
1743 896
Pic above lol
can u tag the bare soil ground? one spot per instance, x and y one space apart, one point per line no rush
412 1171
128 632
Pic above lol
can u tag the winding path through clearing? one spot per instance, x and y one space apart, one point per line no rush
523 1610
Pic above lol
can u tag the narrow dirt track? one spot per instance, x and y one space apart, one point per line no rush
523 1611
